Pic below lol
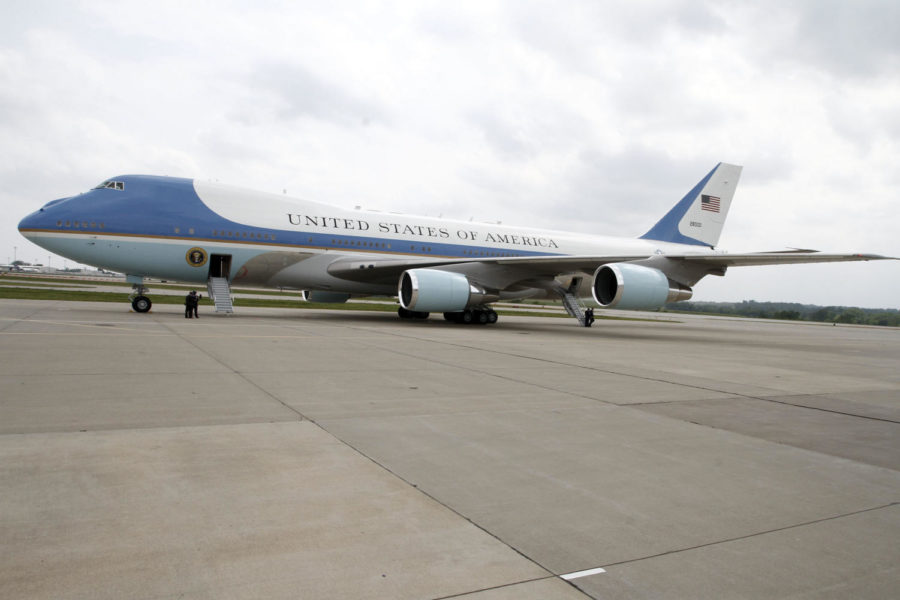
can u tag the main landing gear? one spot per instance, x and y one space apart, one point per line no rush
472 316
139 301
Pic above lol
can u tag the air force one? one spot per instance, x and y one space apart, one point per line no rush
195 231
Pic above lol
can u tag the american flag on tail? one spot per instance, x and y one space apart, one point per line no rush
710 203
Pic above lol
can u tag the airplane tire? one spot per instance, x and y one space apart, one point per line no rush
482 317
420 315
404 313
492 317
466 317
141 304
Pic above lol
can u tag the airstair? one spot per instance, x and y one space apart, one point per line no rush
571 302
220 292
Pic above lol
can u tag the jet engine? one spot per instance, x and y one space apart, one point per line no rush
623 285
324 297
431 290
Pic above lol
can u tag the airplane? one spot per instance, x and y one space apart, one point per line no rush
199 231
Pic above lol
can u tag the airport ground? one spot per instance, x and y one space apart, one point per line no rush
336 454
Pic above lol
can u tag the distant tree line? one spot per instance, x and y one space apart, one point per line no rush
792 311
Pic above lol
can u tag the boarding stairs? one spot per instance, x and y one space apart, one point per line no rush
570 300
220 292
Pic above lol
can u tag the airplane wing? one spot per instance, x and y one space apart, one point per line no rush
501 272
774 258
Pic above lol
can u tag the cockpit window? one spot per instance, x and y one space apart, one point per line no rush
111 185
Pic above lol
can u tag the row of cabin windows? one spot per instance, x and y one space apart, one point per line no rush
494 254
247 235
339 242
80 224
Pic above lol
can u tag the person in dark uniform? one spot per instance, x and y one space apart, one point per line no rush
588 317
195 302
190 304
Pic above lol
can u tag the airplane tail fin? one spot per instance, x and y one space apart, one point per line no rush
698 218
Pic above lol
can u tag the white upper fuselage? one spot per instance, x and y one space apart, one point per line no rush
147 226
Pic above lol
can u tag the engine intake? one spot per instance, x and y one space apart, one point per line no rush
432 290
623 285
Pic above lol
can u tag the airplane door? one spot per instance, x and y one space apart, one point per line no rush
219 265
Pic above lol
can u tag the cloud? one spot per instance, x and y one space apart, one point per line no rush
301 93
857 39
587 116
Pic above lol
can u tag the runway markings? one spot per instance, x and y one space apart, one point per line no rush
579 574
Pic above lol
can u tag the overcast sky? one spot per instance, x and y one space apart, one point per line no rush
589 116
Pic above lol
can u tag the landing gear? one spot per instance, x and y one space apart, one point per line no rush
141 304
470 316
139 300
411 314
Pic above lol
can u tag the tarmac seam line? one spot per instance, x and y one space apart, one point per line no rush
610 372
14 321
764 399
753 535
508 585
828 410
384 468
236 372
550 574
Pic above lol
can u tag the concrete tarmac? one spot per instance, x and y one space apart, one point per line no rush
314 454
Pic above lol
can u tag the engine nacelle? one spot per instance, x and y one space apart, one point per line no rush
432 290
623 285
324 297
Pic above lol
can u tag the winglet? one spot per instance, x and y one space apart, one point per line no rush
698 218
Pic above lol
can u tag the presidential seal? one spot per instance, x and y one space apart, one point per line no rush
196 257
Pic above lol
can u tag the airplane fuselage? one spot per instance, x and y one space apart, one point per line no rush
149 226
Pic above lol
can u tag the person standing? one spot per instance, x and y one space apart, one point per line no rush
190 304
589 317
195 302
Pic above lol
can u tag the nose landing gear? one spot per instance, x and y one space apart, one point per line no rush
139 301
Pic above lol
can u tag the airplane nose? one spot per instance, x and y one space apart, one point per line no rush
29 222
33 221
40 218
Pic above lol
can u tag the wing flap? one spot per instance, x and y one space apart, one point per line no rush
774 258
